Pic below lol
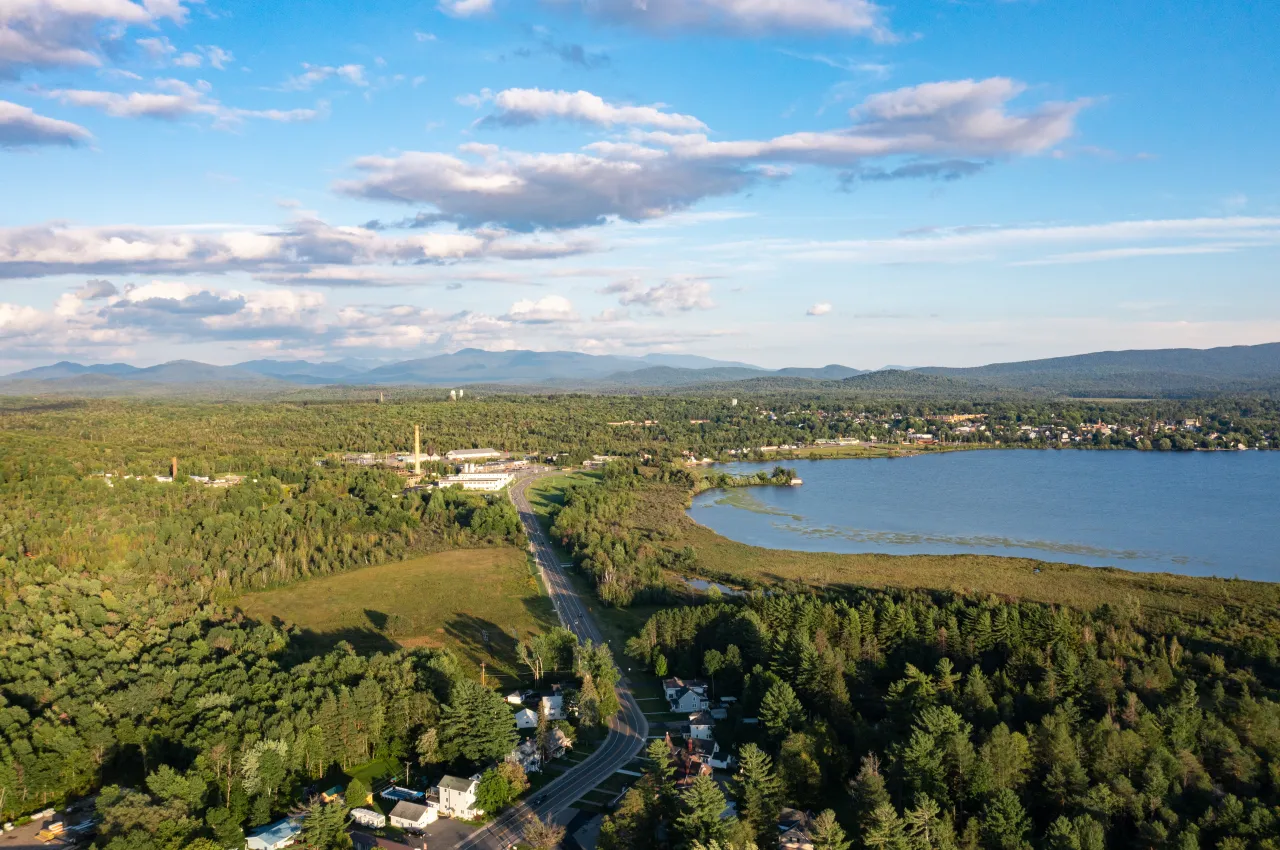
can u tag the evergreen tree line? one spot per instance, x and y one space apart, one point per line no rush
258 533
933 722
196 723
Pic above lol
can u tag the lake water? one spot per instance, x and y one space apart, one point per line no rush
1196 513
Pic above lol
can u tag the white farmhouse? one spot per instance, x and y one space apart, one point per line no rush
458 797
526 719
686 697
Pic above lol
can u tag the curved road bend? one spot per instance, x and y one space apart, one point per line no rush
628 730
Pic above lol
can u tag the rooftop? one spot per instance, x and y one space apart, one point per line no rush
456 783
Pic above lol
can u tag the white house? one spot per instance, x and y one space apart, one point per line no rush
526 719
709 753
369 818
700 726
515 698
413 816
280 834
553 707
686 697
458 797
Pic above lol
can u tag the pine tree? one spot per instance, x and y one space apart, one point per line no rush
1005 823
476 725
885 830
701 805
828 834
780 710
324 827
758 792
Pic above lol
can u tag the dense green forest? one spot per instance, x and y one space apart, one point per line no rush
935 721
122 671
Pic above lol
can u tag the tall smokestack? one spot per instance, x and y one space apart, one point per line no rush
417 450
173 468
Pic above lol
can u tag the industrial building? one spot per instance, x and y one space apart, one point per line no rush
491 481
472 454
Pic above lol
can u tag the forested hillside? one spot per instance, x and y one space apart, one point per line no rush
932 722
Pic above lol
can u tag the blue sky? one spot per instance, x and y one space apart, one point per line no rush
786 182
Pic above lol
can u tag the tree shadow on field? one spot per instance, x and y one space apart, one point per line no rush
481 640
377 619
364 641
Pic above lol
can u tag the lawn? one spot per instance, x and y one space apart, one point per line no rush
478 602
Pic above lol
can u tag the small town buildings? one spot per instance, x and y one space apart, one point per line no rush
558 743
413 816
472 454
329 795
700 726
688 764
552 707
515 698
274 836
527 756
458 797
686 697
793 830
526 719
369 818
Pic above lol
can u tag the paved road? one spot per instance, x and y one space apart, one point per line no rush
628 730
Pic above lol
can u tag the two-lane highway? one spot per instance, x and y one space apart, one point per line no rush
628 730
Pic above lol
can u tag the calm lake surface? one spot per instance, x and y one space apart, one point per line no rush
1196 513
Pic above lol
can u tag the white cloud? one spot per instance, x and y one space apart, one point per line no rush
552 308
314 74
21 127
658 172
524 106
1037 245
174 100
218 57
751 17
465 8
822 308
680 293
67 33
283 254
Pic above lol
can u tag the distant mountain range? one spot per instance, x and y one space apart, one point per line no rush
1164 372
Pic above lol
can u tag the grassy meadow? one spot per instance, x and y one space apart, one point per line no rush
478 602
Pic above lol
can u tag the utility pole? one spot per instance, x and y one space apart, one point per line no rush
482 675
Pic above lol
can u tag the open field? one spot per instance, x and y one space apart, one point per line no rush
474 601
